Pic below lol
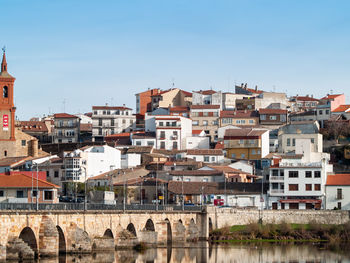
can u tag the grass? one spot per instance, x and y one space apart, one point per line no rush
311 232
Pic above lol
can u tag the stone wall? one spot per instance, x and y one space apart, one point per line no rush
221 217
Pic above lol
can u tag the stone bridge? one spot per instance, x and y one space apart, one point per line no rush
29 234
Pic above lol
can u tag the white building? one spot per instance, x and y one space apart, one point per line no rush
107 120
143 139
298 180
93 160
338 191
243 165
198 140
206 155
130 160
171 131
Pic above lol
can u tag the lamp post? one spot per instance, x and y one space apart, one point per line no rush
37 187
85 203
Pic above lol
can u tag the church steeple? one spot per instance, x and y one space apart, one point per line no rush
3 63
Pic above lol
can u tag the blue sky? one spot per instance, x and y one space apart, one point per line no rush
96 52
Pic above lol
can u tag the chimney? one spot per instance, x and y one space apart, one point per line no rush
256 87
242 85
245 86
33 148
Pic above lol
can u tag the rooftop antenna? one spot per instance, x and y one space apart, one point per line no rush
173 83
4 49
331 91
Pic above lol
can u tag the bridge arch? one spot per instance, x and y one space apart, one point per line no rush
28 236
131 229
108 233
149 225
169 232
62 247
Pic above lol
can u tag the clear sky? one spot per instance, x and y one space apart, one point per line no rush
95 52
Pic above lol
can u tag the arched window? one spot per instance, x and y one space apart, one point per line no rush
5 92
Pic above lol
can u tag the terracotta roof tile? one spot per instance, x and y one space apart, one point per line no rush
238 114
196 107
205 152
272 111
35 126
331 96
110 108
19 180
338 179
342 108
64 115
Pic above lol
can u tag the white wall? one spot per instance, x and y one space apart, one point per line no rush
331 197
212 158
243 166
196 142
265 144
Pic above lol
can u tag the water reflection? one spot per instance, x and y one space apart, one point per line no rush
247 253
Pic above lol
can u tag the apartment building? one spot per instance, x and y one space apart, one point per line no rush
298 180
144 101
288 135
206 155
335 100
303 103
338 191
247 144
171 131
206 117
67 128
207 97
275 117
262 101
109 120
171 98
239 118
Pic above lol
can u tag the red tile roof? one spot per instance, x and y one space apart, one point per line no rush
205 107
206 92
110 108
305 98
35 126
247 132
332 96
238 114
187 94
256 91
342 108
179 109
64 115
204 152
20 180
272 111
338 179
196 132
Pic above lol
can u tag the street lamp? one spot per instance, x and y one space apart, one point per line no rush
85 204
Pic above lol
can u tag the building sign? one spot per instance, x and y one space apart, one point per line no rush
5 122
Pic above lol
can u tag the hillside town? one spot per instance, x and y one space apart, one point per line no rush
247 148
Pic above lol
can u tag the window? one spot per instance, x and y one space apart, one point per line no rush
275 172
320 112
214 122
150 143
205 114
251 121
308 187
175 133
161 123
233 155
241 141
242 155
5 92
205 179
288 142
339 194
273 118
1 193
99 122
23 142
253 151
20 194
238 121
48 195
175 145
138 143
213 159
263 117
47 173
293 142
317 187
308 174
162 145
293 187
206 158
194 123
5 153
327 112
274 186
312 140
124 121
317 174
112 122
56 174
162 134
205 123
34 193
242 121
293 174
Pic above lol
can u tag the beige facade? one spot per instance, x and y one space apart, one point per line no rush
206 117
171 98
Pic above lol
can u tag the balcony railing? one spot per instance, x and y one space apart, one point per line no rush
277 191
276 178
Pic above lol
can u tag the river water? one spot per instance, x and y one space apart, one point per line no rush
237 253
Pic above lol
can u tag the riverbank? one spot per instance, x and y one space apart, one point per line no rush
282 232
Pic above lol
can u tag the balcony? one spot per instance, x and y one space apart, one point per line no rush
276 178
276 191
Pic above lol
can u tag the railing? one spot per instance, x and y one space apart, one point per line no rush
80 206
276 191
276 178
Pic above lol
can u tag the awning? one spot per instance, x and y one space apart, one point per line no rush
303 201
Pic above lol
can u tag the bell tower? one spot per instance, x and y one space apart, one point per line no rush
7 107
